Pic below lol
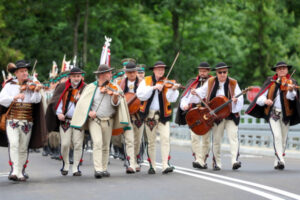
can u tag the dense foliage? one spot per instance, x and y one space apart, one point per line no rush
249 35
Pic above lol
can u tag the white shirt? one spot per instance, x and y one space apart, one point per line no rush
144 93
202 92
130 85
277 102
11 90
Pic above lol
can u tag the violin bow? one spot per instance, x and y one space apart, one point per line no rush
35 62
172 65
205 104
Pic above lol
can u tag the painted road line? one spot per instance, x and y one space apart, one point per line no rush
230 184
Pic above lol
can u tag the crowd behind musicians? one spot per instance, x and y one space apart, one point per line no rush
71 106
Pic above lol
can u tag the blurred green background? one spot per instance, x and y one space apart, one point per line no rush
251 36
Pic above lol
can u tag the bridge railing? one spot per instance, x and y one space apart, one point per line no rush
252 132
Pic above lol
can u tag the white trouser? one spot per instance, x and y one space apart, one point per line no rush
280 131
200 150
129 142
232 134
164 131
68 137
138 134
101 135
18 134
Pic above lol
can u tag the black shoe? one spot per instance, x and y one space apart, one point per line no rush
216 168
13 178
151 171
64 172
116 152
168 170
26 175
98 174
77 173
45 151
22 179
105 174
236 165
279 166
129 170
199 166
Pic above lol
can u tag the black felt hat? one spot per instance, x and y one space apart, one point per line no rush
18 65
76 70
159 64
221 65
281 64
204 65
130 67
103 68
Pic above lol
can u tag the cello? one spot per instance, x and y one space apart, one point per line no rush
201 119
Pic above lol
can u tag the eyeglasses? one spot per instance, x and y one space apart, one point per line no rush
222 72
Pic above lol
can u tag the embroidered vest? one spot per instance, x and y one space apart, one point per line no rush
165 106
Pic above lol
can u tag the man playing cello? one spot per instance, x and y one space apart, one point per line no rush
222 85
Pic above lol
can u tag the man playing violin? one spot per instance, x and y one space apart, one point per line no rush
278 103
156 112
58 116
99 105
25 124
223 85
200 151
133 136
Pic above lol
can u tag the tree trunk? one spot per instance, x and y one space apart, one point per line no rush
75 30
85 32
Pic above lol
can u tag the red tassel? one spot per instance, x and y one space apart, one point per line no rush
149 160
207 155
283 154
169 157
25 166
10 163
81 160
194 154
60 157
27 161
128 157
138 156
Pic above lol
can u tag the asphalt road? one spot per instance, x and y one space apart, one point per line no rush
255 180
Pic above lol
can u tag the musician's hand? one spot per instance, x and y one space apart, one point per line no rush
61 117
175 87
92 114
186 107
234 100
19 96
38 87
158 87
103 90
193 91
291 88
268 102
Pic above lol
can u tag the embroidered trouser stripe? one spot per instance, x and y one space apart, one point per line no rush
138 134
280 131
18 134
232 134
101 135
200 148
129 142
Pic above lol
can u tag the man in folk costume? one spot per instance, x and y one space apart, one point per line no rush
280 107
130 84
117 140
156 112
101 112
223 85
25 125
59 115
200 151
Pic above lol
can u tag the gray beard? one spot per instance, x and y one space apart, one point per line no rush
75 84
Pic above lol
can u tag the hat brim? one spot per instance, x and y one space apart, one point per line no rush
131 70
288 66
203 67
151 68
83 72
15 69
224 67
101 72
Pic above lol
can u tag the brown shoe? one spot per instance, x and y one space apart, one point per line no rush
12 177
129 170
64 172
77 173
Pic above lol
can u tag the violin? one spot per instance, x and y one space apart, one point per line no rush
169 83
287 84
30 85
109 88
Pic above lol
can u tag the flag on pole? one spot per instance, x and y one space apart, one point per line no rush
105 54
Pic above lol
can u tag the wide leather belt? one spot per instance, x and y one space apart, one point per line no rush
21 111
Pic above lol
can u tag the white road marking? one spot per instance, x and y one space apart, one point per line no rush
216 178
